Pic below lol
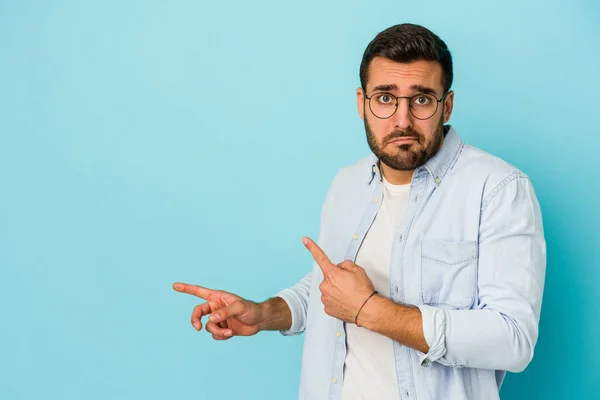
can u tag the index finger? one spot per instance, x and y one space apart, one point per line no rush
195 290
318 254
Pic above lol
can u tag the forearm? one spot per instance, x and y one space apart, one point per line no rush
276 315
399 322
459 338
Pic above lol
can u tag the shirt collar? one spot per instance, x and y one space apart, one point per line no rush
438 165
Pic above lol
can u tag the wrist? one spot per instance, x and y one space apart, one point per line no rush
274 315
370 313
264 313
362 306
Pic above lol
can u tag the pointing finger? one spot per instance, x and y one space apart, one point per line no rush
318 254
195 290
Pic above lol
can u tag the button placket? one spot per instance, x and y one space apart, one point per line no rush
403 358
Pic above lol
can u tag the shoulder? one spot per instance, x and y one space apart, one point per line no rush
491 172
356 172
351 179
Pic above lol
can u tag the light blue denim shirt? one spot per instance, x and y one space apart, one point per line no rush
470 253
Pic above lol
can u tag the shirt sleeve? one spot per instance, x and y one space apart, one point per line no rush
501 332
297 296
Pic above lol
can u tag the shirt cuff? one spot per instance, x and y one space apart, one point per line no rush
434 330
295 306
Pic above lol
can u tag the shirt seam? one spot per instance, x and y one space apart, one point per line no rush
498 188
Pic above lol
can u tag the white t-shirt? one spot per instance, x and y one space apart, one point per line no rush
369 370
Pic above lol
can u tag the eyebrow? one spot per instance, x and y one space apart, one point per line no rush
416 88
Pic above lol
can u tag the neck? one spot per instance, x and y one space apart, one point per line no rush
394 176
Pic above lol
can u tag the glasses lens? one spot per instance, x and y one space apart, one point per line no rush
423 106
383 105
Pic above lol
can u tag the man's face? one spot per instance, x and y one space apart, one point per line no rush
402 141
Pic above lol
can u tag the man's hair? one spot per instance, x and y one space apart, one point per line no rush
406 43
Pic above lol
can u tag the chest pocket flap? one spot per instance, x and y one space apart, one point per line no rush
448 273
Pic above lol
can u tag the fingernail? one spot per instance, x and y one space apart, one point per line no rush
197 325
215 317
228 333
305 241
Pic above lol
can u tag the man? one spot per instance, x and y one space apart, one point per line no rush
430 266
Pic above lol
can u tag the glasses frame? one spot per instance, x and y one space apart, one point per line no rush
437 104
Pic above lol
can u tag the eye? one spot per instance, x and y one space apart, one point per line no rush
421 100
385 98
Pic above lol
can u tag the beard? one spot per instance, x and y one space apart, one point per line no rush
409 156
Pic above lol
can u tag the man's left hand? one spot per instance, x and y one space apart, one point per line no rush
345 286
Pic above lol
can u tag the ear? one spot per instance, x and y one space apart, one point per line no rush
448 105
360 102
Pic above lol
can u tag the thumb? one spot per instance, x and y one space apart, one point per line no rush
225 313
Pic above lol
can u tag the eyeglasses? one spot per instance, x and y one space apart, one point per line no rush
422 105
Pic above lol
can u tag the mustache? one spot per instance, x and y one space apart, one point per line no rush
402 134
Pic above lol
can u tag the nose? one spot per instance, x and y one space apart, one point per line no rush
402 118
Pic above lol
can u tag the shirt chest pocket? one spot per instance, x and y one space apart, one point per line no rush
448 273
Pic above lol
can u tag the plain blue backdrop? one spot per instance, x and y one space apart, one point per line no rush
147 142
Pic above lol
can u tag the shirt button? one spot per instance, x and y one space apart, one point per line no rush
334 380
400 238
375 200
355 237
338 334
437 180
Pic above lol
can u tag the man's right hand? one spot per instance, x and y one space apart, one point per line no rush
230 315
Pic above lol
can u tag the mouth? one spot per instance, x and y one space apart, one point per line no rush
403 140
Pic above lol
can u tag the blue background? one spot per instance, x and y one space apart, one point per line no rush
143 143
